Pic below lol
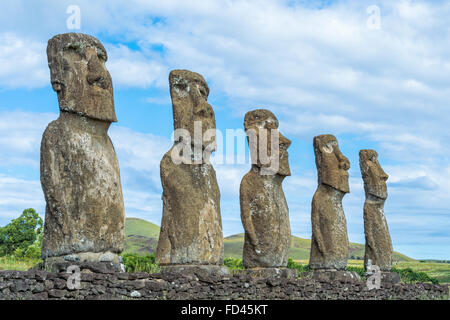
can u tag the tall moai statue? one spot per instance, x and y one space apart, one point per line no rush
264 210
329 243
191 226
378 241
80 177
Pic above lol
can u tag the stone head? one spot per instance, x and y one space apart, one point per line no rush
373 175
261 127
189 92
332 165
79 76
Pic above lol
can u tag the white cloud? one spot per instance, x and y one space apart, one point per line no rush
20 136
132 69
318 70
17 195
23 62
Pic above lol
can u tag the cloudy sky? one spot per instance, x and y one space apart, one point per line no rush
375 77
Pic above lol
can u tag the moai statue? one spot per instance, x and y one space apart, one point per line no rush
191 227
264 211
329 243
378 241
80 177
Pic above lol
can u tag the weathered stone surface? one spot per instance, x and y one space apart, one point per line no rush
80 173
264 210
336 275
200 271
84 266
269 273
329 243
378 240
390 277
191 227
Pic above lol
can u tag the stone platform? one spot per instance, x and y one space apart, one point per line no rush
268 273
391 277
105 262
43 285
334 275
198 270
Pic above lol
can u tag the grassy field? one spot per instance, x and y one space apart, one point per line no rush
440 271
11 263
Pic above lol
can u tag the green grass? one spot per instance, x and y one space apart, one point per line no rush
440 271
13 263
436 270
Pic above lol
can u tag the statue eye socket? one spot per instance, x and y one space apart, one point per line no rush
180 86
202 91
102 57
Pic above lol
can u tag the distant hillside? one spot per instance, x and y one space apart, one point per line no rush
142 237
299 249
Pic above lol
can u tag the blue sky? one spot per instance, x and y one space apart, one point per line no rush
317 65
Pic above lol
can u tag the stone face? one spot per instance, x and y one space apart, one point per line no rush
329 243
80 173
191 227
378 240
264 210
79 76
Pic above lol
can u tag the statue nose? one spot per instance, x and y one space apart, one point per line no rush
97 74
344 163
203 109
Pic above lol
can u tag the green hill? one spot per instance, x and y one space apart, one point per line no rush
142 237
299 249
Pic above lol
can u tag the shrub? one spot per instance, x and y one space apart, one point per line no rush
301 268
409 276
137 263
233 263
359 270
33 251
20 233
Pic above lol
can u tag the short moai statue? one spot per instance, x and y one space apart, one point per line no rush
329 243
191 226
80 176
378 249
264 210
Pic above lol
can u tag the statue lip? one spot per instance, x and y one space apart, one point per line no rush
372 196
